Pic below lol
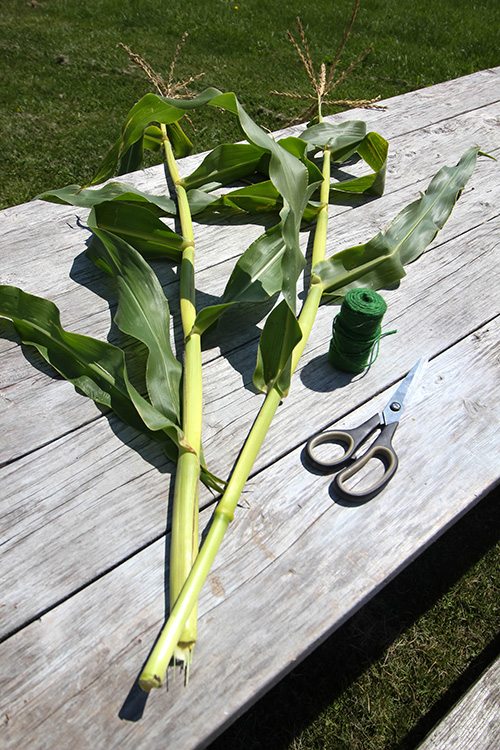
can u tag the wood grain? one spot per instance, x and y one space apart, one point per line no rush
66 675
83 300
96 475
84 501
474 721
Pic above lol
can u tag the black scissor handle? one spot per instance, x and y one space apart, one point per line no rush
381 449
350 440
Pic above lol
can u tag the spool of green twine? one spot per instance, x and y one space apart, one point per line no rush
357 331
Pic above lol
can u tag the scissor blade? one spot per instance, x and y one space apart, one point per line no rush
394 408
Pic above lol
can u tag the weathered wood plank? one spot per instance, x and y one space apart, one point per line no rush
67 515
403 114
47 409
94 474
58 519
431 310
474 721
295 565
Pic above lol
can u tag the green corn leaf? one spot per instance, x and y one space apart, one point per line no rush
256 277
373 149
290 177
132 159
225 164
200 201
154 422
75 195
257 274
147 111
280 336
144 314
96 368
212 481
342 138
260 197
210 315
181 144
298 148
139 224
286 172
152 138
346 139
379 263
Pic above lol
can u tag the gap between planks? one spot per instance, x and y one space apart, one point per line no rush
64 559
72 394
36 429
77 664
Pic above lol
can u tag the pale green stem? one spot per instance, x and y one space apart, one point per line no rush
309 311
184 543
154 671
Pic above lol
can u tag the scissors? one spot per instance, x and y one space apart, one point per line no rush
350 440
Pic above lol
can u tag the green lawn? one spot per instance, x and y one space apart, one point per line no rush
66 86
396 666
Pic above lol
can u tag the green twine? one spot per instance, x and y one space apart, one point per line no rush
357 331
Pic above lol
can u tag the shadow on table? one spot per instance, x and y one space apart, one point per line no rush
330 681
235 335
134 705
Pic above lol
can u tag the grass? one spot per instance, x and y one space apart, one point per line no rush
67 86
394 668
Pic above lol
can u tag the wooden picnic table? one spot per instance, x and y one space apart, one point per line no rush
84 498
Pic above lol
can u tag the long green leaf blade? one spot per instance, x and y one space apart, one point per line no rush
261 197
285 170
227 163
139 225
210 315
200 201
256 277
75 195
96 368
298 148
341 138
290 177
280 336
344 140
152 138
131 160
373 149
380 262
144 314
181 144
149 110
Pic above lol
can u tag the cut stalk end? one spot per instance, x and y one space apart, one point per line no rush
182 657
148 681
